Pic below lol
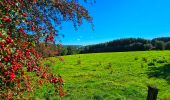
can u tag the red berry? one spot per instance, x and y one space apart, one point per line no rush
24 14
5 59
41 28
60 80
55 80
12 76
41 82
44 75
51 81
6 19
5 73
33 28
2 45
22 31
9 40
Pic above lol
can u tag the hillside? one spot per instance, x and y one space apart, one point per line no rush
121 75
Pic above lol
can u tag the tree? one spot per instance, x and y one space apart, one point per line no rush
18 56
167 45
70 50
136 46
159 45
148 46
64 51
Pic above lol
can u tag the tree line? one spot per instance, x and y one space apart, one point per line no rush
119 45
129 44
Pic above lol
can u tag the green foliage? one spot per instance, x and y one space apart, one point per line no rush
69 50
64 51
159 45
167 46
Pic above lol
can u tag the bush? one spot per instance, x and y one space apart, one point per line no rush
23 25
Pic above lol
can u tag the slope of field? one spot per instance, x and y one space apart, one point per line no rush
110 76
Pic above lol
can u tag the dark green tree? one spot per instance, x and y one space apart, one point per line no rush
167 46
159 45
64 51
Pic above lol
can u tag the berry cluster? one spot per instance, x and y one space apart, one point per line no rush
18 55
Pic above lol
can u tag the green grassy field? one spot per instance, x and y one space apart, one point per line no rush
113 76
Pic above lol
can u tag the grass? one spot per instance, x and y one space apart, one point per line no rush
113 76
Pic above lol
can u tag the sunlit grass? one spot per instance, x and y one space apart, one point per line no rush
119 75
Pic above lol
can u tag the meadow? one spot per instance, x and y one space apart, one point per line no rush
111 76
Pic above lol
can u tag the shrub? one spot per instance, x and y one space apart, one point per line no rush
23 24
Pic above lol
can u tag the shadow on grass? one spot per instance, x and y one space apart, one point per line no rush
160 72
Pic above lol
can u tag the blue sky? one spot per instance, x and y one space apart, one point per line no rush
115 19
